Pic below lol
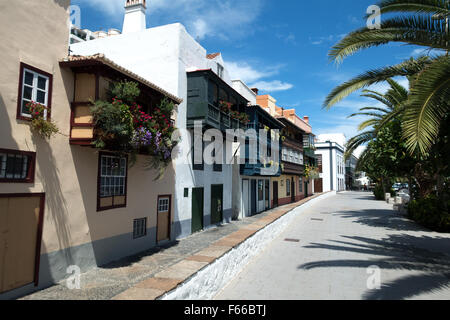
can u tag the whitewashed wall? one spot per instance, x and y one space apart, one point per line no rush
162 55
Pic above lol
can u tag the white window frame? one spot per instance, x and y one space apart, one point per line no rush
162 205
35 89
123 176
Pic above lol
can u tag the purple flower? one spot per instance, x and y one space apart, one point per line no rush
141 138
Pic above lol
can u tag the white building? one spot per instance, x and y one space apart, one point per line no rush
330 152
166 55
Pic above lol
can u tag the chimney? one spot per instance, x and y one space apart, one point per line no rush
134 20
306 119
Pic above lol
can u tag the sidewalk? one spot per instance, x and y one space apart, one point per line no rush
153 273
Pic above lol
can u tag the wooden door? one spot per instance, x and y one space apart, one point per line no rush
20 239
164 212
293 189
197 209
318 185
275 193
216 204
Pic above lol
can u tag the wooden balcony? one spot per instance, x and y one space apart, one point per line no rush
293 168
81 126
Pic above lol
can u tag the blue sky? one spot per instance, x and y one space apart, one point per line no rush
279 46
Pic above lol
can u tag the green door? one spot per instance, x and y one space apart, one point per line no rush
197 209
216 204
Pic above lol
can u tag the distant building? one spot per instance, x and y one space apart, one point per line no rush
350 173
330 154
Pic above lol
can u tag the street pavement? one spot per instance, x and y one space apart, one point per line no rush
349 246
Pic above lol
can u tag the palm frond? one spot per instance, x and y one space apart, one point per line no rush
406 68
368 123
427 105
415 6
415 30
358 141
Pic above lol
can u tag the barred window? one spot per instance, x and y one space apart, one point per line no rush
17 166
112 181
139 228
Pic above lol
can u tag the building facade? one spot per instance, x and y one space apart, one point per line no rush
62 202
297 151
330 157
170 57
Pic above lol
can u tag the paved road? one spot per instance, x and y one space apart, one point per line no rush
339 239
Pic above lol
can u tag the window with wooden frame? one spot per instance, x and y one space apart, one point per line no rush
17 166
34 86
112 181
288 187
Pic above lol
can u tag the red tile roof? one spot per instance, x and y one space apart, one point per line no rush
213 55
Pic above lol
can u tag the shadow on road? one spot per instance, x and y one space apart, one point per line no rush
382 218
399 252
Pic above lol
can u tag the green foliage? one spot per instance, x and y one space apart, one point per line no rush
126 91
415 22
311 172
122 126
113 125
44 127
378 192
431 213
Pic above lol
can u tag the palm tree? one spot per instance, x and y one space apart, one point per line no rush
392 100
418 22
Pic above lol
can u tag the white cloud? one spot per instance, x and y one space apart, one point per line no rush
272 86
203 18
253 76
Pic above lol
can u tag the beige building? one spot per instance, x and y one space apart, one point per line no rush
62 202
291 186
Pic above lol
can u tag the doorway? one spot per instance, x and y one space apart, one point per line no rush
275 194
21 222
216 204
260 195
293 189
197 209
164 209
253 199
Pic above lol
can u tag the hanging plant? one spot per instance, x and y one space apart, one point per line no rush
44 127
311 172
235 115
244 118
225 106
121 125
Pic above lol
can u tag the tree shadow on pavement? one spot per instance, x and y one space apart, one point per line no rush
387 219
429 256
